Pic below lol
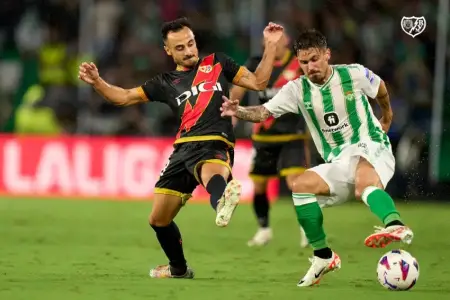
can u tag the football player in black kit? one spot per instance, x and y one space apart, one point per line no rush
281 147
203 151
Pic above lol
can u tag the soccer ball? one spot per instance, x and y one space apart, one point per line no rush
398 270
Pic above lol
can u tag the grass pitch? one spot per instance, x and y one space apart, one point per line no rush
52 249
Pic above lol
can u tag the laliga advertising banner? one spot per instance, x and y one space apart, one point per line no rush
98 167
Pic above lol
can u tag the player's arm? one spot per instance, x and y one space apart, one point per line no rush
374 87
258 79
255 114
115 95
384 102
243 78
237 93
285 101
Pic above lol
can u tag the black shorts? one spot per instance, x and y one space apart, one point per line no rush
180 176
278 159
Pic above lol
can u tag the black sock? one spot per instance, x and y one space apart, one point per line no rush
395 222
215 187
169 238
324 253
261 207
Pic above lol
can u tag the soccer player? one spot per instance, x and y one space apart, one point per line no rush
280 147
333 99
203 151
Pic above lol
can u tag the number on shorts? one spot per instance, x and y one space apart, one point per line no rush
164 168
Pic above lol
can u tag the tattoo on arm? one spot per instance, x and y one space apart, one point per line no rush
254 114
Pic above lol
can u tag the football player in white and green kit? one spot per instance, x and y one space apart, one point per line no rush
333 99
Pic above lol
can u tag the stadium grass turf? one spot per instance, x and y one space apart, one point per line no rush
52 249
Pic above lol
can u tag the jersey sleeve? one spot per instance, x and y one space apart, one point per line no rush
285 101
231 69
152 90
369 81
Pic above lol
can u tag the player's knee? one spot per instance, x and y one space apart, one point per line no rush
310 183
259 187
290 179
361 185
303 184
358 193
209 170
158 220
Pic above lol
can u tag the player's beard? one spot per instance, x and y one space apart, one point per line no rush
189 62
320 76
316 78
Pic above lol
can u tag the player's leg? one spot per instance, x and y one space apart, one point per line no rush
264 166
370 182
294 159
261 208
172 190
320 181
214 177
303 239
212 169
165 208
224 196
290 179
261 205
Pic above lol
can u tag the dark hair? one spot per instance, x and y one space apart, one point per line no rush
174 26
310 38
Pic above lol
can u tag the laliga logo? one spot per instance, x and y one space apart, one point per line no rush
195 90
413 26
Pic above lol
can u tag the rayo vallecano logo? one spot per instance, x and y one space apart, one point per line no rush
205 69
413 26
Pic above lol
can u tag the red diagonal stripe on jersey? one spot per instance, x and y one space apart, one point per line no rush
192 114
293 67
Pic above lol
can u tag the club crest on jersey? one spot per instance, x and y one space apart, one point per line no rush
413 26
349 96
205 69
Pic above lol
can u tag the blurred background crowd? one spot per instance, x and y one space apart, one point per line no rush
42 42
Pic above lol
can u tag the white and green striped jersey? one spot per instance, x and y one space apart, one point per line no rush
338 112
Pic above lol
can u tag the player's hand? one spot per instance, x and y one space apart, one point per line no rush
273 33
88 73
385 124
229 107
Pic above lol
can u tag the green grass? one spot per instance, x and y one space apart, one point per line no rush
53 249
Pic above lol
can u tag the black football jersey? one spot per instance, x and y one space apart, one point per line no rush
288 124
196 96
